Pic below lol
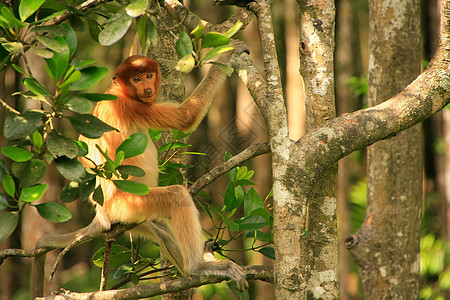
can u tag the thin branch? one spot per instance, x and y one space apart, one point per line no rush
23 253
8 108
179 12
249 153
264 273
82 7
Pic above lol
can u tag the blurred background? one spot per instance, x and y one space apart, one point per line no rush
233 123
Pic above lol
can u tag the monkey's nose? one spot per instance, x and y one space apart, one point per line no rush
148 91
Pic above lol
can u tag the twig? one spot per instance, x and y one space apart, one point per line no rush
249 153
23 253
105 266
8 108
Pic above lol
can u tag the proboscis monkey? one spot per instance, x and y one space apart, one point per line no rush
169 213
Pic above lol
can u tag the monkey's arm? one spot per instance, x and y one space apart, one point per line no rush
187 115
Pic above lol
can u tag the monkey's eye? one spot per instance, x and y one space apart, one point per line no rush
149 76
137 79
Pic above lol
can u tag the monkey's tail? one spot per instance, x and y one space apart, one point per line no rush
97 225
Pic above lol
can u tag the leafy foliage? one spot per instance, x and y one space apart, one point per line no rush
34 142
189 51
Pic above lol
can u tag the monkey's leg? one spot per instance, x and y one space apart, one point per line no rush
181 237
177 229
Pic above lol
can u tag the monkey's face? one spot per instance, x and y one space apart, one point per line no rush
145 86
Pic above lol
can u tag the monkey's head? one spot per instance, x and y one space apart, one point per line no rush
139 77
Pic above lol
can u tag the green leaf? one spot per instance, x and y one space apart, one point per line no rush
98 97
183 45
251 223
54 29
89 126
115 29
59 145
8 222
32 172
70 192
131 187
136 8
154 134
71 169
10 18
120 255
214 39
89 77
70 37
13 47
36 87
28 7
119 159
267 251
123 270
152 33
131 170
37 139
42 52
244 173
84 63
262 212
178 135
197 33
3 202
75 76
86 188
8 185
266 237
16 154
134 145
3 170
20 126
53 212
215 52
233 30
98 195
252 201
33 193
232 226
169 175
173 145
79 104
56 44
186 64
147 32
19 69
58 64
82 148
230 201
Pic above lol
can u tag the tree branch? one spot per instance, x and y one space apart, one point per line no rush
180 13
336 138
8 108
249 153
82 7
264 273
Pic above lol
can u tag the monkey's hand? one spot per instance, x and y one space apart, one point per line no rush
225 268
239 47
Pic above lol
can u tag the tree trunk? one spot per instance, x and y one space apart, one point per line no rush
389 238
